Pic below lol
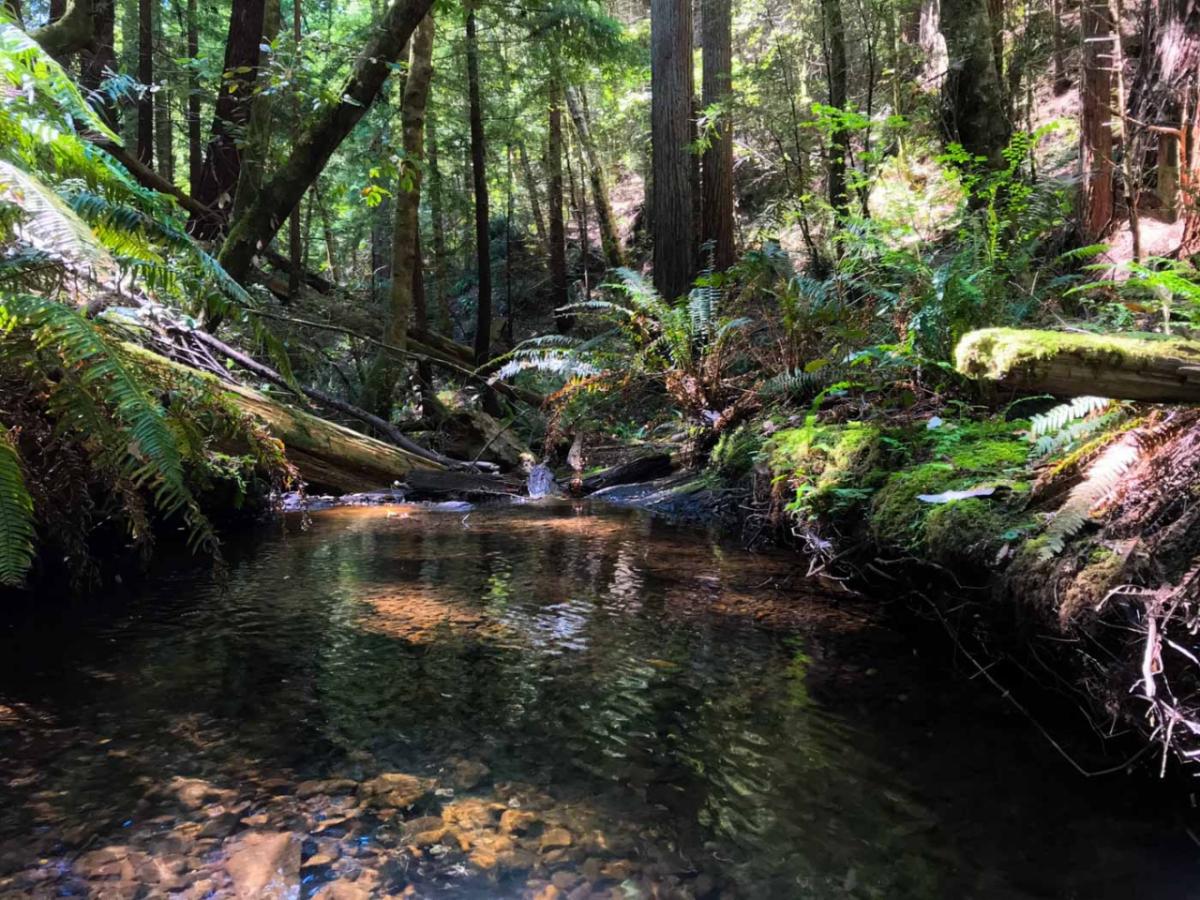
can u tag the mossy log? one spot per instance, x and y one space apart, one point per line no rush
1149 367
327 455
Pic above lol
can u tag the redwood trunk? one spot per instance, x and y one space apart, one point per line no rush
1095 128
145 74
672 197
195 140
973 101
718 155
839 139
235 100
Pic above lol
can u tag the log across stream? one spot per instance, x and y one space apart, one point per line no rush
537 701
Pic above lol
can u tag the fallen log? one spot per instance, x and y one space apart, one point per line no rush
327 455
645 468
1151 367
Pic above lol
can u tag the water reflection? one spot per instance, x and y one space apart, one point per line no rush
566 703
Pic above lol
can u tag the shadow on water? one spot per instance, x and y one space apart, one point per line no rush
585 701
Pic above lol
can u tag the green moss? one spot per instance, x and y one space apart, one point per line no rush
1000 353
964 530
734 455
897 517
831 467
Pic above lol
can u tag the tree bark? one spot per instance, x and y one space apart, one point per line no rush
437 216
255 149
483 255
294 244
610 242
1095 127
314 146
557 232
835 68
68 32
717 164
531 190
195 141
164 144
672 200
231 116
145 74
405 262
972 98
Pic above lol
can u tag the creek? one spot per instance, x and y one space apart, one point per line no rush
545 700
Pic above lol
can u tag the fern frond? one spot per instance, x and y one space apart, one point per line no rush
1060 416
1103 477
16 517
49 224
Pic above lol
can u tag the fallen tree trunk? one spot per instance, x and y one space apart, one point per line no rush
327 455
646 468
1149 367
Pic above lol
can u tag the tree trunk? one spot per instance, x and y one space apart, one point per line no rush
1095 127
557 230
195 141
145 74
164 144
437 216
294 245
531 190
231 117
972 98
932 44
405 262
672 201
995 10
483 255
1072 364
609 241
717 86
256 142
313 147
835 69
69 29
100 57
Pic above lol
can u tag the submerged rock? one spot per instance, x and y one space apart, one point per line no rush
265 864
396 790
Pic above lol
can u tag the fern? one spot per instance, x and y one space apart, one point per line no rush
1057 418
16 517
1103 477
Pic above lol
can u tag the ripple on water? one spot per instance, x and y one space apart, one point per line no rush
547 702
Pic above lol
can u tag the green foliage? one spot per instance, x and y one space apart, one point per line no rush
77 234
16 517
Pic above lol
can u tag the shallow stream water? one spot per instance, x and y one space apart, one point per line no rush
548 702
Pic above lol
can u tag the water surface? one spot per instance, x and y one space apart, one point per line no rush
669 716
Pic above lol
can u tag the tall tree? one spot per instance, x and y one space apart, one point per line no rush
194 133
835 74
557 232
531 190
1096 113
145 74
406 264
610 242
294 248
973 100
164 144
312 148
717 87
235 100
437 217
483 255
672 200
